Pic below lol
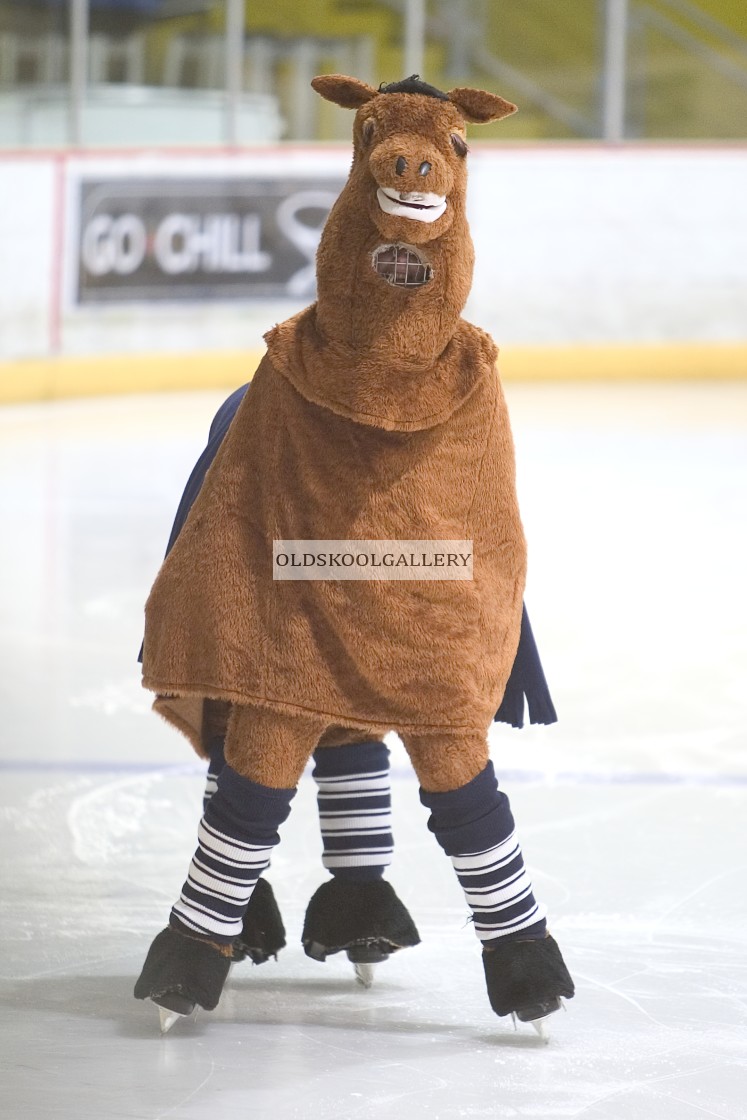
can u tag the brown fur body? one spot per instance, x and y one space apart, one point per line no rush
376 414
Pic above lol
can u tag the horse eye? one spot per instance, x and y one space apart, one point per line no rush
368 130
459 144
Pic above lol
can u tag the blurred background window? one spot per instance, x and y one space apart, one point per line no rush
141 72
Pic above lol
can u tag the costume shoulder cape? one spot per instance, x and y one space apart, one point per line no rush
218 626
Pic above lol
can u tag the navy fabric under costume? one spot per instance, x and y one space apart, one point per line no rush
527 678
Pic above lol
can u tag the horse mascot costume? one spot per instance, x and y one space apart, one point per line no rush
376 415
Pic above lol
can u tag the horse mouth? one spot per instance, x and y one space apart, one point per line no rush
417 205
402 266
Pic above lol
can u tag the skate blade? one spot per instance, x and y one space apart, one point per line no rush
167 1019
540 1025
172 1006
364 974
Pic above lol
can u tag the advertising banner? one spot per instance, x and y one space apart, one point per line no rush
199 239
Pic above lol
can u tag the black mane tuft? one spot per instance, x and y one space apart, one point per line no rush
413 84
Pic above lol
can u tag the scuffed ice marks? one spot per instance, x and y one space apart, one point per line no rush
105 822
95 849
121 822
43 884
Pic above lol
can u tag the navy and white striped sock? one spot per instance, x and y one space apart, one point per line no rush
236 836
354 803
355 809
475 827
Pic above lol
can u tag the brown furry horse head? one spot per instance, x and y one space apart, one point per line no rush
394 266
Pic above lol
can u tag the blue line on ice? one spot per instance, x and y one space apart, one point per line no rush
558 777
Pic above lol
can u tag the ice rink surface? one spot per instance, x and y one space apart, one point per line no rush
631 810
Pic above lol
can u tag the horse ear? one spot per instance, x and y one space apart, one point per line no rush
478 106
349 93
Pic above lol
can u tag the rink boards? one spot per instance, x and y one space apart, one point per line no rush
591 261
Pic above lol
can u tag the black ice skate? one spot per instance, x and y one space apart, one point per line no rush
366 920
527 979
263 932
182 972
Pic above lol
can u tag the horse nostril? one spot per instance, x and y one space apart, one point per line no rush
401 165
424 167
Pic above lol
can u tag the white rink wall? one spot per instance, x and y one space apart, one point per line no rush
605 245
575 245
